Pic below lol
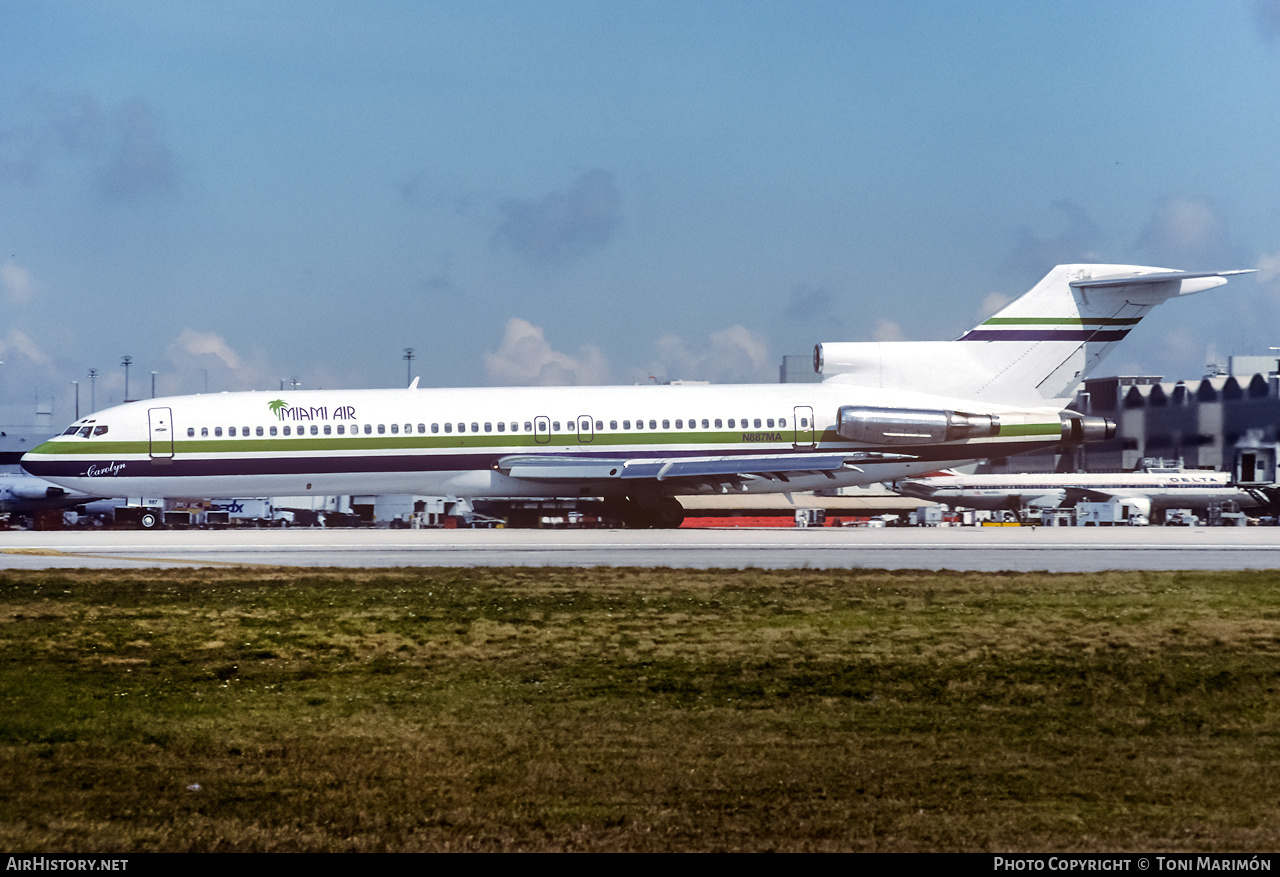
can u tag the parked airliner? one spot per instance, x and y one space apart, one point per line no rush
1152 489
884 411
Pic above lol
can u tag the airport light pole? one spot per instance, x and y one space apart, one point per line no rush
153 385
93 390
126 361
76 384
408 369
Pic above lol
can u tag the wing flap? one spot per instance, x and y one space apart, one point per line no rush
573 468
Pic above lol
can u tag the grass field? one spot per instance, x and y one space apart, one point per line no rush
628 709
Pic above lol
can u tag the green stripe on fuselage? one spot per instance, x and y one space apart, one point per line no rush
490 442
1062 321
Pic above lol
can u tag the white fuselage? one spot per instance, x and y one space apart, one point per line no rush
454 441
1164 489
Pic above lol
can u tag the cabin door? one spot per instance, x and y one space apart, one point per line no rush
804 427
160 426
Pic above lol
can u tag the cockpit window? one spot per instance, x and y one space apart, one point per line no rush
85 431
100 429
72 430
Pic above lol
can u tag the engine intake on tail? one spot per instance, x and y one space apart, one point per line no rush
1078 428
912 426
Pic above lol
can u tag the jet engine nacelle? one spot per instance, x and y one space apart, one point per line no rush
1077 429
32 488
912 426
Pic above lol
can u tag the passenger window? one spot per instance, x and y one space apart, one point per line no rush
475 427
448 427
555 426
666 424
626 424
231 432
502 427
653 424
515 427
613 425
271 430
600 425
368 429
287 431
528 427
382 429
782 423
488 427
315 430
342 428
679 424
804 421
718 424
328 430
395 429
422 428
462 427
757 423
217 432
191 432
435 427
771 423
639 424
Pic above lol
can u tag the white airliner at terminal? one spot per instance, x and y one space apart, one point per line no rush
1154 489
1000 389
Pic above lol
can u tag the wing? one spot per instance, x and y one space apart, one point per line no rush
1090 494
718 471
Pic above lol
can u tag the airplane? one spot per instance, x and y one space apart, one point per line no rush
884 411
1155 488
23 494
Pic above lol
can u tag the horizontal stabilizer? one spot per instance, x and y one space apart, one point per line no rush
1034 351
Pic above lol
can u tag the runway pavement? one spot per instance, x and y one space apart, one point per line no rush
1068 549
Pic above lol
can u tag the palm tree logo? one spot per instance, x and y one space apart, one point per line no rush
277 407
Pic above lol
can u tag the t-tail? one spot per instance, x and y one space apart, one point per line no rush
1035 351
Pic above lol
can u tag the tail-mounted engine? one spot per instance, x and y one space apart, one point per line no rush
1078 428
912 426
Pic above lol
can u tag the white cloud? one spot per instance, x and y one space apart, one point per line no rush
20 343
1188 233
887 330
192 344
525 358
992 304
18 282
732 355
1268 267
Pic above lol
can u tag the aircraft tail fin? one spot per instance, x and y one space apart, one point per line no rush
1034 351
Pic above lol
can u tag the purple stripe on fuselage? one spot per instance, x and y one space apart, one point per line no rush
179 467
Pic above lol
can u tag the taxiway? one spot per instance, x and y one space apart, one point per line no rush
980 549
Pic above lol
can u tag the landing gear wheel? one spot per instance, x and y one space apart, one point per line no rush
667 514
148 521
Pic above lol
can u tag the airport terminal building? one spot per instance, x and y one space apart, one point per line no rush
1225 421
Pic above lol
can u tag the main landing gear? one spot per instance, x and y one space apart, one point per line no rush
648 513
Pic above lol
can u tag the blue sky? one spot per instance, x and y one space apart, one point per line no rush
564 192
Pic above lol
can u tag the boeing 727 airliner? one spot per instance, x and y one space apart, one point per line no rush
884 411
